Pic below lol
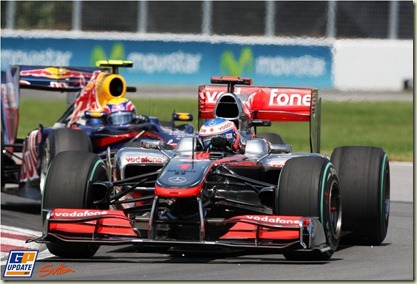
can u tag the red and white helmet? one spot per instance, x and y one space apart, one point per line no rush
219 127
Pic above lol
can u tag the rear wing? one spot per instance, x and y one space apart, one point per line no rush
52 78
65 78
283 104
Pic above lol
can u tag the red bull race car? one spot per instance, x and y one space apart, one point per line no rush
223 189
99 117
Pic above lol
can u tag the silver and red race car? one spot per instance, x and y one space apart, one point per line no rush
264 198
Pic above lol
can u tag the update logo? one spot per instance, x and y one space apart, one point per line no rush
20 263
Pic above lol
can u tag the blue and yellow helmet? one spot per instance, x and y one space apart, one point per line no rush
119 111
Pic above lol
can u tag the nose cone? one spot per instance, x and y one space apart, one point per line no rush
182 178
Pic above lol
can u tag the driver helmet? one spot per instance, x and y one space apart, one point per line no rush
119 111
219 127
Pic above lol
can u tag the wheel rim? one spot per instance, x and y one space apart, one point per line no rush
335 210
44 165
385 193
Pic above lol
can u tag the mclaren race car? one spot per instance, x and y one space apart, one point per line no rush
98 118
261 197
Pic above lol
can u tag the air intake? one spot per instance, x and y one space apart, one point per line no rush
228 107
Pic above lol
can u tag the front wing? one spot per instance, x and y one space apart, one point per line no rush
269 233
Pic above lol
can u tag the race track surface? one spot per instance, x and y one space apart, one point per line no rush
393 260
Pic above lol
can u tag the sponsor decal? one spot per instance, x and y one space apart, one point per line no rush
144 159
47 56
85 213
49 269
273 219
211 97
173 63
98 53
180 172
217 129
226 125
281 99
177 179
302 66
277 164
58 85
277 66
20 263
230 66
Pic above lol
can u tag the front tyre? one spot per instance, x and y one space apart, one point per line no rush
365 179
66 186
309 186
60 140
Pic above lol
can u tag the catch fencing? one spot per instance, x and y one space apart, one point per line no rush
317 19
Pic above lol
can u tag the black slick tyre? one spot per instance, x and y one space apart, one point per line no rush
66 186
60 140
365 180
273 138
309 186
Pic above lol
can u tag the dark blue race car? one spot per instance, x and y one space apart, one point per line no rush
99 119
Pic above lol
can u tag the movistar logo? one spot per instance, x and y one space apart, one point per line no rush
98 53
230 66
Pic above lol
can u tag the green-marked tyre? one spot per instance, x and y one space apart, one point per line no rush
66 186
309 186
364 175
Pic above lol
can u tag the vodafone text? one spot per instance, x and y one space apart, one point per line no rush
275 98
272 219
144 160
85 213
289 99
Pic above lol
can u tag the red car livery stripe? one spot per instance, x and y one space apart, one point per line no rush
178 192
90 222
237 233
264 227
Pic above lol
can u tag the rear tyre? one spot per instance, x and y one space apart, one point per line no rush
66 186
309 186
60 140
365 179
273 138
